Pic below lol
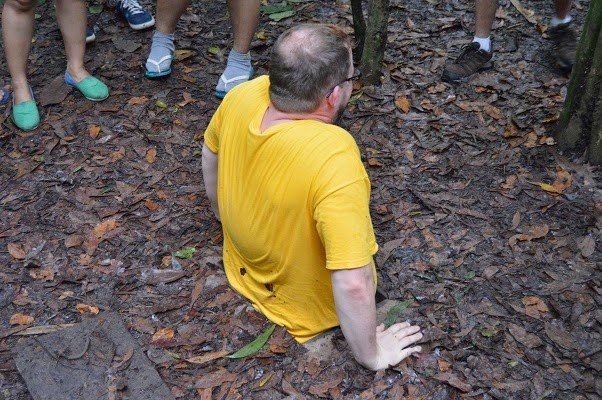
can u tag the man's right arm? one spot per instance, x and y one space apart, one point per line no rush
372 346
209 161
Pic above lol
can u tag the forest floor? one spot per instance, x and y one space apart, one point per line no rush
493 235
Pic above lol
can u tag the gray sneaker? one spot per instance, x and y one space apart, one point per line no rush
470 60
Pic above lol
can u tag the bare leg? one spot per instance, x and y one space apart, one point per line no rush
17 30
562 8
484 17
244 17
168 14
71 17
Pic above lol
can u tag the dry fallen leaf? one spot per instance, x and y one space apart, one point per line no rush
16 250
151 205
563 181
534 306
101 229
587 246
534 232
86 309
403 104
151 155
187 99
207 357
374 162
443 365
94 130
162 334
138 100
21 319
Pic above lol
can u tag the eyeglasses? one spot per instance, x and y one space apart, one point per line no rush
357 74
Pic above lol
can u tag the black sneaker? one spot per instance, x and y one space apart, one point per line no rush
470 60
565 45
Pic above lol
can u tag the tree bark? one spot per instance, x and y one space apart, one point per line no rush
359 27
580 125
375 41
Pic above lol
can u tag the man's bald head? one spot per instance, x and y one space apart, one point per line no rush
307 61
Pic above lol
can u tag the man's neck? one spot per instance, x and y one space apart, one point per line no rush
273 117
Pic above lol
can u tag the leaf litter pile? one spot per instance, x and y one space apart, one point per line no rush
490 239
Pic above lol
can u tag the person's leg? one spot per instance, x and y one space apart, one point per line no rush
563 36
71 17
169 13
17 31
244 17
562 8
476 55
484 17
162 49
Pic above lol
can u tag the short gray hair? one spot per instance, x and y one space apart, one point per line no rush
307 61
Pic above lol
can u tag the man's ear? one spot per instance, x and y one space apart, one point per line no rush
334 96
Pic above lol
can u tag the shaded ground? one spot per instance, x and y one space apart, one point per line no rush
504 270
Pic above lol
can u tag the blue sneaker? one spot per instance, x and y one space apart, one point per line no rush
90 36
136 16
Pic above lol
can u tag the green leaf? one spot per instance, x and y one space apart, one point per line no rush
255 345
106 189
395 311
356 96
95 9
276 8
470 275
487 331
280 16
513 363
186 252
160 104
213 50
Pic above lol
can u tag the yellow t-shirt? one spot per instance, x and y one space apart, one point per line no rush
294 204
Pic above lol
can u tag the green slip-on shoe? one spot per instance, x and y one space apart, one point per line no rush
92 88
25 115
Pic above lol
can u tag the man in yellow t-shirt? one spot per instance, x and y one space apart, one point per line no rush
293 198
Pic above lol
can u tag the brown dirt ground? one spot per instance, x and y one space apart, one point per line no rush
505 276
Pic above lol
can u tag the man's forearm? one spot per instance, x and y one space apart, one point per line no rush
353 291
372 346
209 161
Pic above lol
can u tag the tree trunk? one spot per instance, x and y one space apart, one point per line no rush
373 51
580 126
359 27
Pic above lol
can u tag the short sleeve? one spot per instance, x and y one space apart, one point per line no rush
342 214
212 133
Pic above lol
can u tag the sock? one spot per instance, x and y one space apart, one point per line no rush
557 21
239 65
161 46
485 43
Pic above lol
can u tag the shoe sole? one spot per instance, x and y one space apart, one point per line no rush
24 130
90 39
452 79
138 27
155 75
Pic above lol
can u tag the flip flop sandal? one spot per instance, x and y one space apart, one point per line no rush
222 93
25 115
159 73
92 88
5 96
